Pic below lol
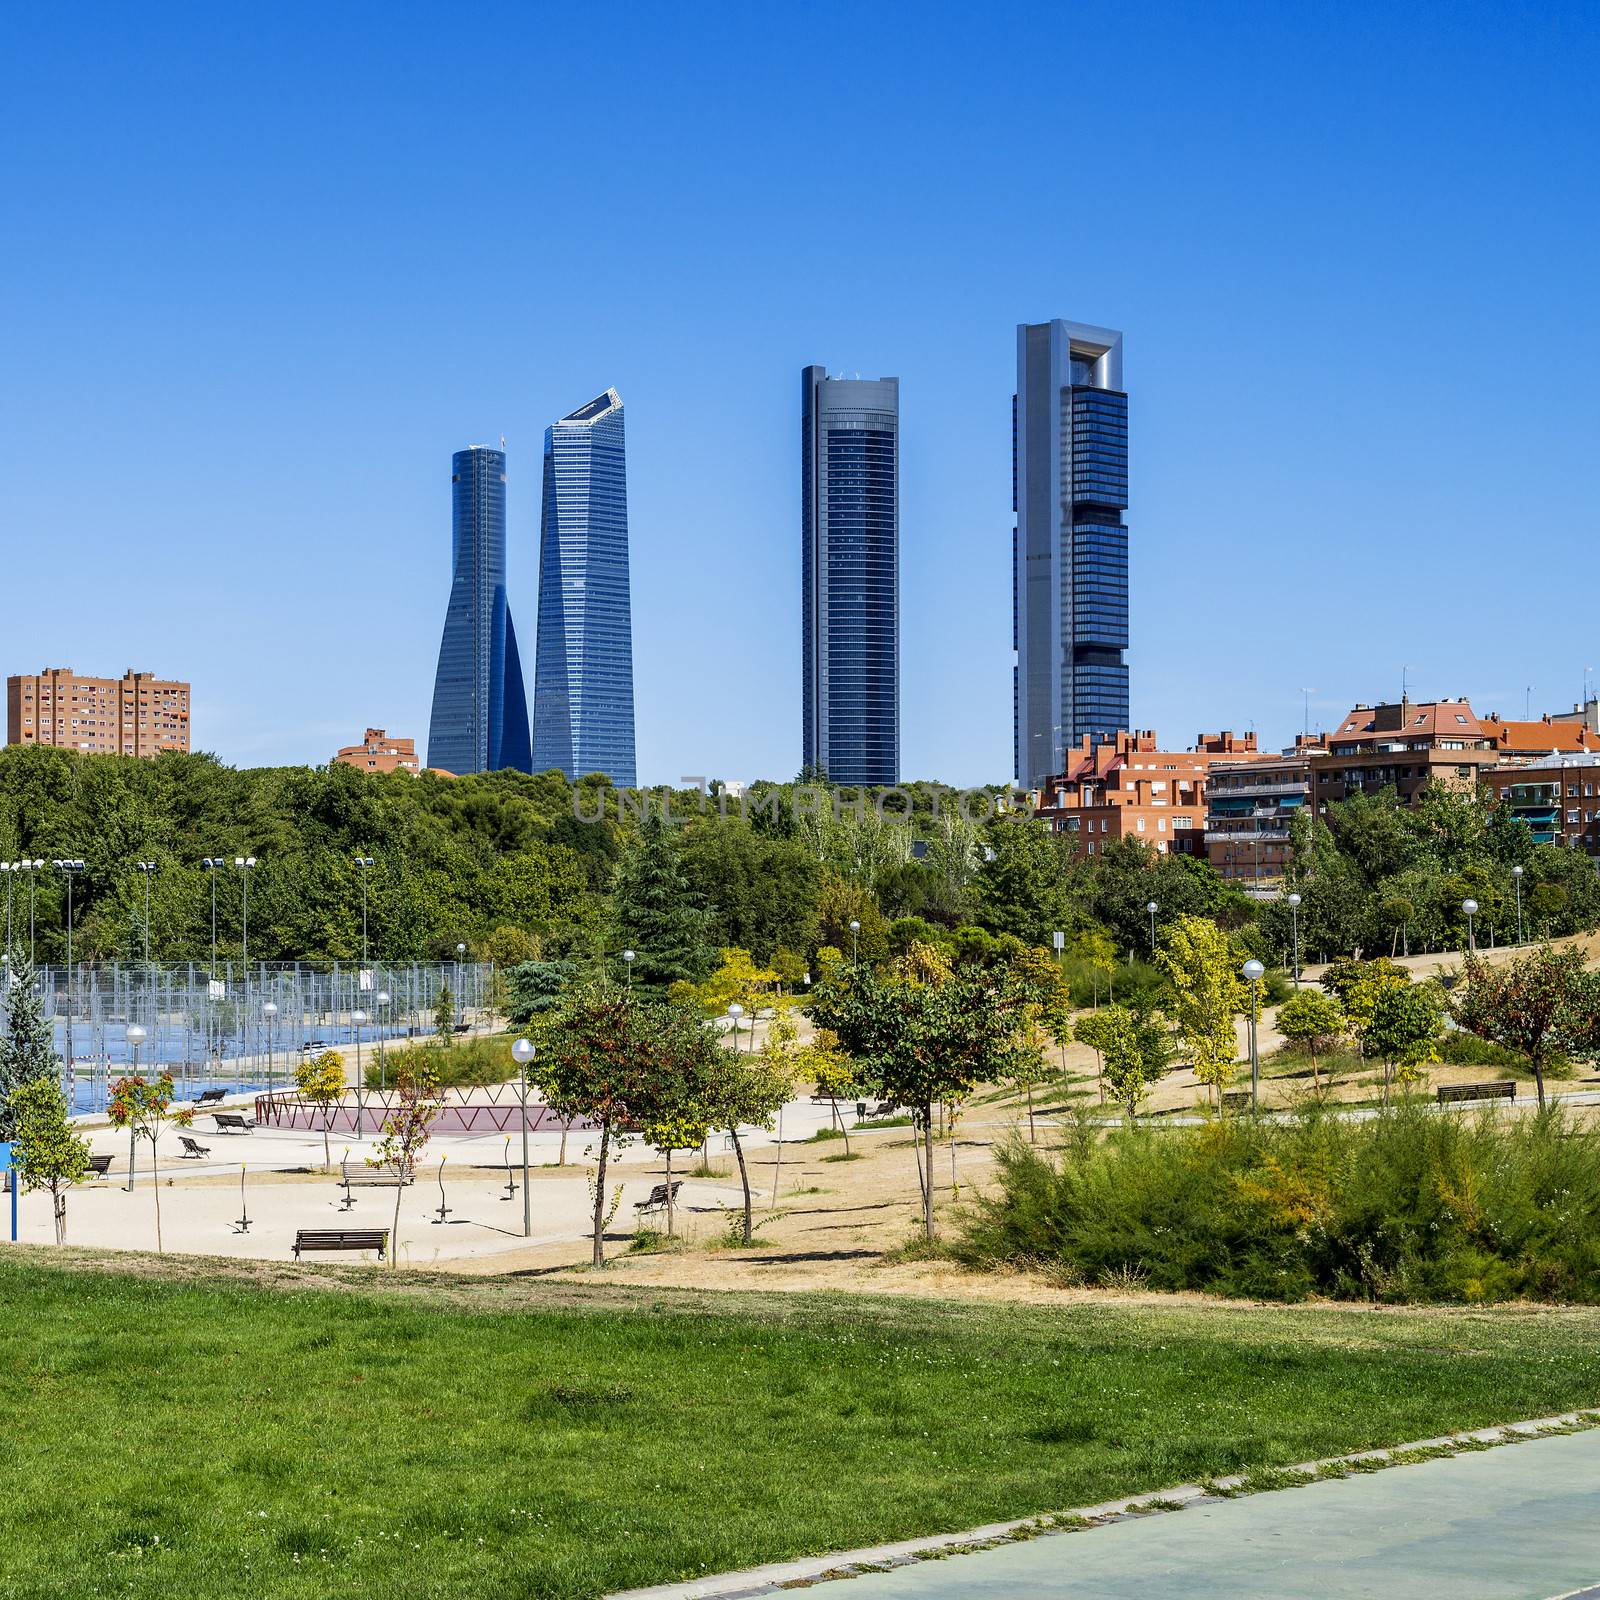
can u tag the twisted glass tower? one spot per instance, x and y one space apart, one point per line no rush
1069 554
583 667
480 705
850 576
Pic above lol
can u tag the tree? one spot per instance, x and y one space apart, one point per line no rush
1023 882
1358 985
1132 1049
1208 995
511 947
1404 1030
833 1072
142 1106
444 1013
738 978
27 1047
748 1090
1036 978
52 1156
1309 1017
1542 1001
656 913
1546 902
405 1134
622 1062
320 1080
923 1042
839 903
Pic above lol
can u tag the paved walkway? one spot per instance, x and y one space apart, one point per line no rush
1520 1522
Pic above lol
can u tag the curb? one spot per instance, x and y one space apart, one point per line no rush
807 1570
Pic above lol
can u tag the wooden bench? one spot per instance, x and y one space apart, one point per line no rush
232 1122
361 1239
658 1198
1501 1089
193 1150
365 1177
99 1166
209 1097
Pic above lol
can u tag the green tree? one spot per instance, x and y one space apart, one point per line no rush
444 1013
656 914
738 978
405 1135
320 1080
839 903
1023 884
1404 1031
144 1106
51 1155
27 1048
1132 1051
1208 994
1311 1018
1546 903
1539 1002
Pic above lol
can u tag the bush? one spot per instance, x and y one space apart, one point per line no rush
1406 1206
468 1063
1462 1049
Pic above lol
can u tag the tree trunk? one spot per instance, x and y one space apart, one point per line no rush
669 1189
1538 1078
777 1163
561 1154
1033 1137
133 1151
744 1178
394 1232
155 1178
600 1196
61 1212
327 1155
916 1150
927 1192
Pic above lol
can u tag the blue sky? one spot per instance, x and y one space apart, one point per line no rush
262 274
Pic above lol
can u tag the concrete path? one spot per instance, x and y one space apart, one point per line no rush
1521 1522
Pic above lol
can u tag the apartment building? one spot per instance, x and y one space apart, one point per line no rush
1404 747
1250 806
1546 736
135 715
378 752
1558 796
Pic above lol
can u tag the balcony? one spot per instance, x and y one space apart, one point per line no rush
1264 836
1262 786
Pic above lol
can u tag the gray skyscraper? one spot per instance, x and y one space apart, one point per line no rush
480 706
583 666
1069 554
850 576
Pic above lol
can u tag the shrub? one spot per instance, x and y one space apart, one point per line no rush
1406 1206
466 1064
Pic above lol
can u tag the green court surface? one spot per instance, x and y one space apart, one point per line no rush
1519 1522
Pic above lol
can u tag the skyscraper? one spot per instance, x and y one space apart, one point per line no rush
480 704
583 670
850 576
1069 554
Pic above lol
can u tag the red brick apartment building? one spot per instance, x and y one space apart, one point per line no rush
1403 747
377 752
1127 788
136 715
1250 806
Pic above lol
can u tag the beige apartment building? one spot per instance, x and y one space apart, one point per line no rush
135 715
378 752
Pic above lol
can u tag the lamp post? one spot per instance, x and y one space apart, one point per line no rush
735 1011
213 865
146 868
1516 878
31 867
627 960
269 1010
5 867
69 870
522 1052
461 999
383 1062
246 865
1152 908
1471 909
364 866
1294 923
1254 971
135 1037
855 935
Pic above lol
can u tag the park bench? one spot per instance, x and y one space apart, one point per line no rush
99 1166
362 1239
365 1177
658 1198
209 1097
313 1044
1235 1099
232 1122
193 1150
887 1109
1501 1089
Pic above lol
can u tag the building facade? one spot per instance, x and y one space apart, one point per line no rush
1557 796
1404 747
378 752
1251 806
850 576
480 703
137 714
1069 490
1545 736
583 672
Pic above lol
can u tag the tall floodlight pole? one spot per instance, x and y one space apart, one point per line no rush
136 1037
31 867
1254 972
522 1052
1516 878
245 865
1294 922
855 935
363 866
383 1017
146 868
5 867
1471 909
69 870
213 865
269 1010
1152 908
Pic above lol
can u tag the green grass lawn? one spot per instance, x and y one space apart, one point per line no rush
196 1436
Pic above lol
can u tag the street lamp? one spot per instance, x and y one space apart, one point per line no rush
461 999
1294 922
1152 908
364 866
1516 878
6 867
69 870
269 1009
735 1011
246 865
147 868
522 1052
1471 909
383 1010
628 958
135 1037
855 934
1254 971
30 867
213 865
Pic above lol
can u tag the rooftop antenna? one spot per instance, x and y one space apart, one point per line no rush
502 443
1405 696
1306 695
1527 704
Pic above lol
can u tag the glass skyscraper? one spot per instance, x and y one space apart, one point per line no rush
1069 554
480 705
583 669
850 576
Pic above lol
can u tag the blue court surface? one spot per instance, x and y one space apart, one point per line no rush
1519 1522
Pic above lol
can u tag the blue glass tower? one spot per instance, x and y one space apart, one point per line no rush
1069 553
583 668
850 576
480 704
